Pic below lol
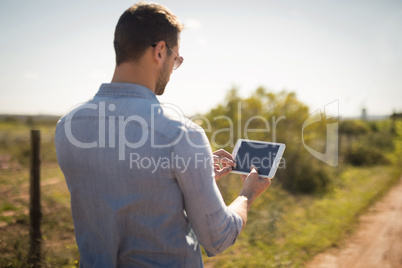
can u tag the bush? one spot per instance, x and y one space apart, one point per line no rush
305 175
361 155
285 115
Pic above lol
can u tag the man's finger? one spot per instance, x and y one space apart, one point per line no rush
223 153
222 172
225 170
253 168
224 160
243 177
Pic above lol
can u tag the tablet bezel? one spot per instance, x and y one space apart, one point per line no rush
275 163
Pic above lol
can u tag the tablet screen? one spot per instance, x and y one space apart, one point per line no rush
261 155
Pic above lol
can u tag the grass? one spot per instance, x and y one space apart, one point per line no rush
58 246
283 230
287 231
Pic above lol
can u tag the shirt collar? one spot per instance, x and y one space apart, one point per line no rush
126 89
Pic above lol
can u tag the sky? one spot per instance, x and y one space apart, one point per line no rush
56 54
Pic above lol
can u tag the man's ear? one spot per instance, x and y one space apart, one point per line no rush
158 53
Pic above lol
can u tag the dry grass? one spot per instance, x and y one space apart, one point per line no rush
58 245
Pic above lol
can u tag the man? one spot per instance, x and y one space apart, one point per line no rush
143 190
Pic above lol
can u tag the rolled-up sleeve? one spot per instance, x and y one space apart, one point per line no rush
214 224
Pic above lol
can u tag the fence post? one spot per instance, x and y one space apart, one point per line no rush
34 205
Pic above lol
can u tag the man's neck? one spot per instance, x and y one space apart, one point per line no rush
133 74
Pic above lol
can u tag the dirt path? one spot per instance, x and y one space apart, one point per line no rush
378 241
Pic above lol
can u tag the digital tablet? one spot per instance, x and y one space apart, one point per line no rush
265 156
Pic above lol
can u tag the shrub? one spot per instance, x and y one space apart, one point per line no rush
305 175
285 115
363 155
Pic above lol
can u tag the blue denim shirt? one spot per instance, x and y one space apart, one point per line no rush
141 181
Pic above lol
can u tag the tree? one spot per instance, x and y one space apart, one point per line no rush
267 116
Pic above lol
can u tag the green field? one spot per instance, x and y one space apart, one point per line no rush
285 229
58 247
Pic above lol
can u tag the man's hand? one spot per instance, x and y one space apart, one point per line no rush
253 185
223 163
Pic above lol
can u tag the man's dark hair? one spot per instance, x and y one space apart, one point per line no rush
142 25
